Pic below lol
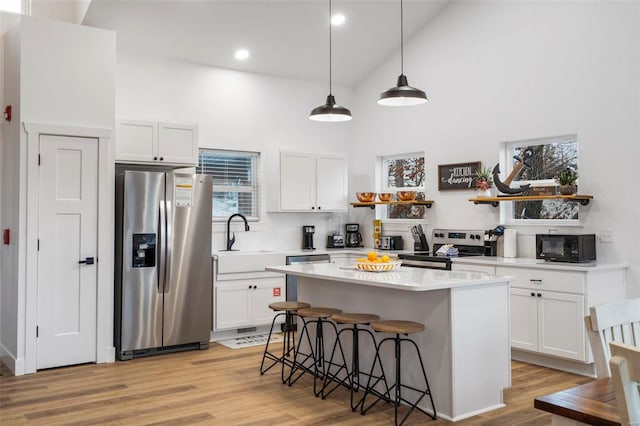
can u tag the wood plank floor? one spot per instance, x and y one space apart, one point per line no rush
222 386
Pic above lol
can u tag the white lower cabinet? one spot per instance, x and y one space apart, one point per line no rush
548 322
245 303
548 308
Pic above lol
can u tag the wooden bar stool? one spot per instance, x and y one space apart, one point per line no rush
352 375
288 309
320 317
405 328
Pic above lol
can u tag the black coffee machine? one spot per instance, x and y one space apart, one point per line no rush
307 237
353 237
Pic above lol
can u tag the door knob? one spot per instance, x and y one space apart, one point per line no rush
88 261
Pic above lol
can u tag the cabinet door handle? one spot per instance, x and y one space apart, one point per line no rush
161 158
319 207
313 208
155 158
533 294
537 281
539 294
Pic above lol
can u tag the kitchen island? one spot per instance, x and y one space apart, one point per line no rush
465 345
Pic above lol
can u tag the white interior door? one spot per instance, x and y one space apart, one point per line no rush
67 235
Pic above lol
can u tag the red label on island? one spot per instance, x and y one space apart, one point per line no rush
276 292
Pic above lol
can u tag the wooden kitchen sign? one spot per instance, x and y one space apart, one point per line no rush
457 176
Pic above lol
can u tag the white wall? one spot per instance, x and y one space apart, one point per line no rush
71 11
2 104
9 202
58 74
502 71
241 111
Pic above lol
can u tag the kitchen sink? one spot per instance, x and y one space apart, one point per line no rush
233 262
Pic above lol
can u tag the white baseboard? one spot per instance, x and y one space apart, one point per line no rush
16 365
568 365
107 355
230 334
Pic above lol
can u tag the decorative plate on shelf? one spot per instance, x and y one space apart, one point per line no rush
378 266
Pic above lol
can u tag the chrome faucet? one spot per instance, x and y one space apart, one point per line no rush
232 240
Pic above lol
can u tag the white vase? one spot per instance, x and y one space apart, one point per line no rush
485 193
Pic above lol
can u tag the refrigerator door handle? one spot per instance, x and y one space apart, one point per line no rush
161 247
168 239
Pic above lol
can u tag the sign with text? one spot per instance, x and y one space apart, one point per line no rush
457 176
276 292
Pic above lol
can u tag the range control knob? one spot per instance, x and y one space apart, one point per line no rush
477 237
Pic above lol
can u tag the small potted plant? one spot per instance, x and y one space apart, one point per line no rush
567 180
484 182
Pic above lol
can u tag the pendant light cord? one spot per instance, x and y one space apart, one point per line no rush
330 88
401 39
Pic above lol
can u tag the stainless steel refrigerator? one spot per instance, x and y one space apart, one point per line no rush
163 276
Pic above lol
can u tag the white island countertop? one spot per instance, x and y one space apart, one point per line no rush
403 278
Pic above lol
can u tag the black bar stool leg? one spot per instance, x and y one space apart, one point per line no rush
398 385
334 376
268 355
300 365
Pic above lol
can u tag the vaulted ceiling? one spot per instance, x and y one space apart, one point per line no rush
285 38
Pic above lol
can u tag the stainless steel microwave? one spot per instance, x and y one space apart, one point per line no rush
574 248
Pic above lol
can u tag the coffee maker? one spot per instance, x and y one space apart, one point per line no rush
493 242
307 237
353 237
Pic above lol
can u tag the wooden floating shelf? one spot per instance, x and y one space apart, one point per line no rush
372 204
494 201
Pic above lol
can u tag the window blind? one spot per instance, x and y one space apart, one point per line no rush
235 183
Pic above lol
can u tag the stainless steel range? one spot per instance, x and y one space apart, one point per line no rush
468 242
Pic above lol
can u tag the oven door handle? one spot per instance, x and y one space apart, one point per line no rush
428 264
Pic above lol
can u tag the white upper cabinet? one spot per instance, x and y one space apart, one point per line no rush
313 182
331 183
297 181
151 142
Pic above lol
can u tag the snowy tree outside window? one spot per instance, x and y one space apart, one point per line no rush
404 173
548 157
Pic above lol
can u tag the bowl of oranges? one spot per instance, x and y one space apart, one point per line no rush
375 263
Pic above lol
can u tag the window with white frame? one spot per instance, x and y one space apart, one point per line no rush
545 158
404 173
235 182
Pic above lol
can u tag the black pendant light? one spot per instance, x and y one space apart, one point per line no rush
330 111
402 94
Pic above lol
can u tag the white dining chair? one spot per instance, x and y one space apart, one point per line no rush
612 322
625 373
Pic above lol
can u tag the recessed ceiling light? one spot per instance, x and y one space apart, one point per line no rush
242 54
338 19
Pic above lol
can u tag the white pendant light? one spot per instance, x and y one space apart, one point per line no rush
402 94
330 111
